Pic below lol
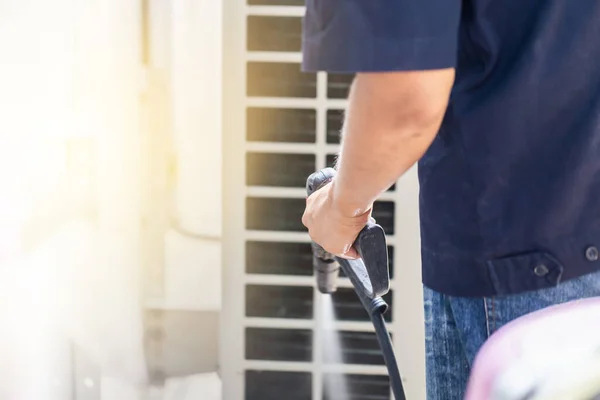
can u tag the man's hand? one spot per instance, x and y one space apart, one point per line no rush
331 226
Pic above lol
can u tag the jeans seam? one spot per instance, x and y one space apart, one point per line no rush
493 316
461 338
487 317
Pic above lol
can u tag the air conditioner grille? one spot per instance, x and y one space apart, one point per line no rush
274 33
362 387
281 125
278 344
277 79
292 124
279 169
278 258
270 301
278 385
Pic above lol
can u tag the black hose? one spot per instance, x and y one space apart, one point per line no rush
385 342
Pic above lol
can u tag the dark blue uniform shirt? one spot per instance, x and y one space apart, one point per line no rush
510 188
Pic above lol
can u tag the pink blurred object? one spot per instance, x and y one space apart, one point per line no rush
548 354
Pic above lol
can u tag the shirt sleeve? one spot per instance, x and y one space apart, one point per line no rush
349 36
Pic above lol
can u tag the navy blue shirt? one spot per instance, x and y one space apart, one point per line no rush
510 188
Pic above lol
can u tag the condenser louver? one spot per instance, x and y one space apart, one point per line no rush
282 125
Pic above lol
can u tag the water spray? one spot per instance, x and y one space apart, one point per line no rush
369 276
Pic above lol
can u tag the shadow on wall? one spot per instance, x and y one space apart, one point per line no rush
188 340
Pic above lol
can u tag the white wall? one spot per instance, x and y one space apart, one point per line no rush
193 264
183 252
107 95
70 68
196 79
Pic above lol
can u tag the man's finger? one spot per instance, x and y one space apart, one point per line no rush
305 219
349 254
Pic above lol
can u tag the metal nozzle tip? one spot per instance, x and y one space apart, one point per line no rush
326 287
327 273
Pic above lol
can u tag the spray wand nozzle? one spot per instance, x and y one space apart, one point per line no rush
369 276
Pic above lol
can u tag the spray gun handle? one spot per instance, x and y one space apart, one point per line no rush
369 274
325 264
315 182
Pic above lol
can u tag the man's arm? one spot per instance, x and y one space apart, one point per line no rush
391 120
404 53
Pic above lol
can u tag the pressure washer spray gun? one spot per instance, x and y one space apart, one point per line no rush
369 276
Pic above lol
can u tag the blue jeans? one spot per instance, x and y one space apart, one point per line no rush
456 327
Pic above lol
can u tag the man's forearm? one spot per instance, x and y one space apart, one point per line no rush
386 131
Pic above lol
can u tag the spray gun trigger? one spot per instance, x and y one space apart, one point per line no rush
372 248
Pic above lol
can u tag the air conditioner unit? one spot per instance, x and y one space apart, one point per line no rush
280 125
